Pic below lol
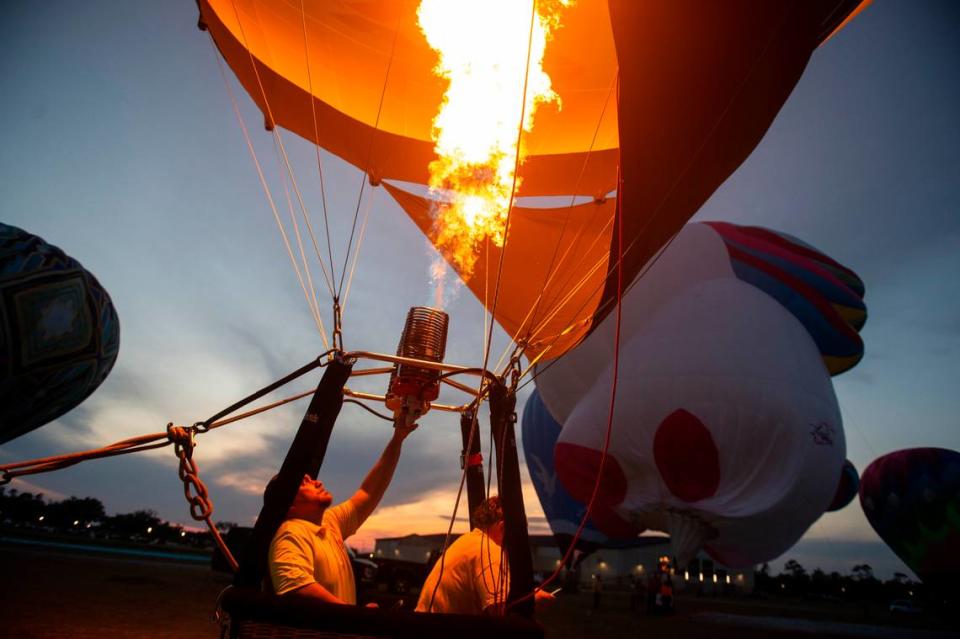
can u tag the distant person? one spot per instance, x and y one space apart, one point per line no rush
473 574
638 593
597 590
307 555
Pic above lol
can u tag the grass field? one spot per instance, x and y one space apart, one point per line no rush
62 593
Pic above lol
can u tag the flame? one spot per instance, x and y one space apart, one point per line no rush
483 50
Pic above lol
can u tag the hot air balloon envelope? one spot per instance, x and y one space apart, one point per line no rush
912 499
59 333
670 96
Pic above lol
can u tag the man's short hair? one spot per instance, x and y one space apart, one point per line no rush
488 513
272 489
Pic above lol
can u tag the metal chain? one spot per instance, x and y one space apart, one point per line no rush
201 508
193 488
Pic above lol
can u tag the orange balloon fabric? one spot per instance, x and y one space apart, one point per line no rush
675 95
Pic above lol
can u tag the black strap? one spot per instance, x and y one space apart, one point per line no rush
469 459
304 457
516 540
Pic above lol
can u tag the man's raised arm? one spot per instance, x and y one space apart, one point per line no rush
371 490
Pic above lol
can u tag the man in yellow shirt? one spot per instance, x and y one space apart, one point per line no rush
307 555
473 574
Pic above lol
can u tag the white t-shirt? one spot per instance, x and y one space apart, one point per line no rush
475 576
303 553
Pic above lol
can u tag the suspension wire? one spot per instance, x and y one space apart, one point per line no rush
319 362
659 208
182 439
584 279
328 277
496 294
316 133
506 229
556 307
366 174
630 286
266 189
315 306
620 292
613 402
556 310
136 444
856 426
356 253
276 134
554 266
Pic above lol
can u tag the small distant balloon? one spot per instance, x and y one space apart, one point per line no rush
59 333
846 488
912 499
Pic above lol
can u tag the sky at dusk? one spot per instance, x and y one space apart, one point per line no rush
120 145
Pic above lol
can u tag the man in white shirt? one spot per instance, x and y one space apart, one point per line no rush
307 555
473 574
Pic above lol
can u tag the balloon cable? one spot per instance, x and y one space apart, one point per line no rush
373 137
554 265
496 294
316 133
266 190
315 308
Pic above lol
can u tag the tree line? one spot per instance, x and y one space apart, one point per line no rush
860 584
86 516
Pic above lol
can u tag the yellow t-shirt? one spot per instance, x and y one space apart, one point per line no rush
474 577
303 553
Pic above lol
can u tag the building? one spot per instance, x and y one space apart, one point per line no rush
618 566
416 548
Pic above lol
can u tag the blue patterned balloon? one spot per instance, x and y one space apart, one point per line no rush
540 431
59 333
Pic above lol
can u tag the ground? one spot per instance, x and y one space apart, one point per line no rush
55 593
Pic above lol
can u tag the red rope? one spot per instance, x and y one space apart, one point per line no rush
613 399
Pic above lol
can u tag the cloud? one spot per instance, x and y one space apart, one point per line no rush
26 486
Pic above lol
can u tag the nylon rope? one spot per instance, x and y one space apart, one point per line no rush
647 268
316 134
356 253
659 209
554 266
266 189
553 309
328 277
506 234
506 229
131 445
613 402
376 128
315 308
496 294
